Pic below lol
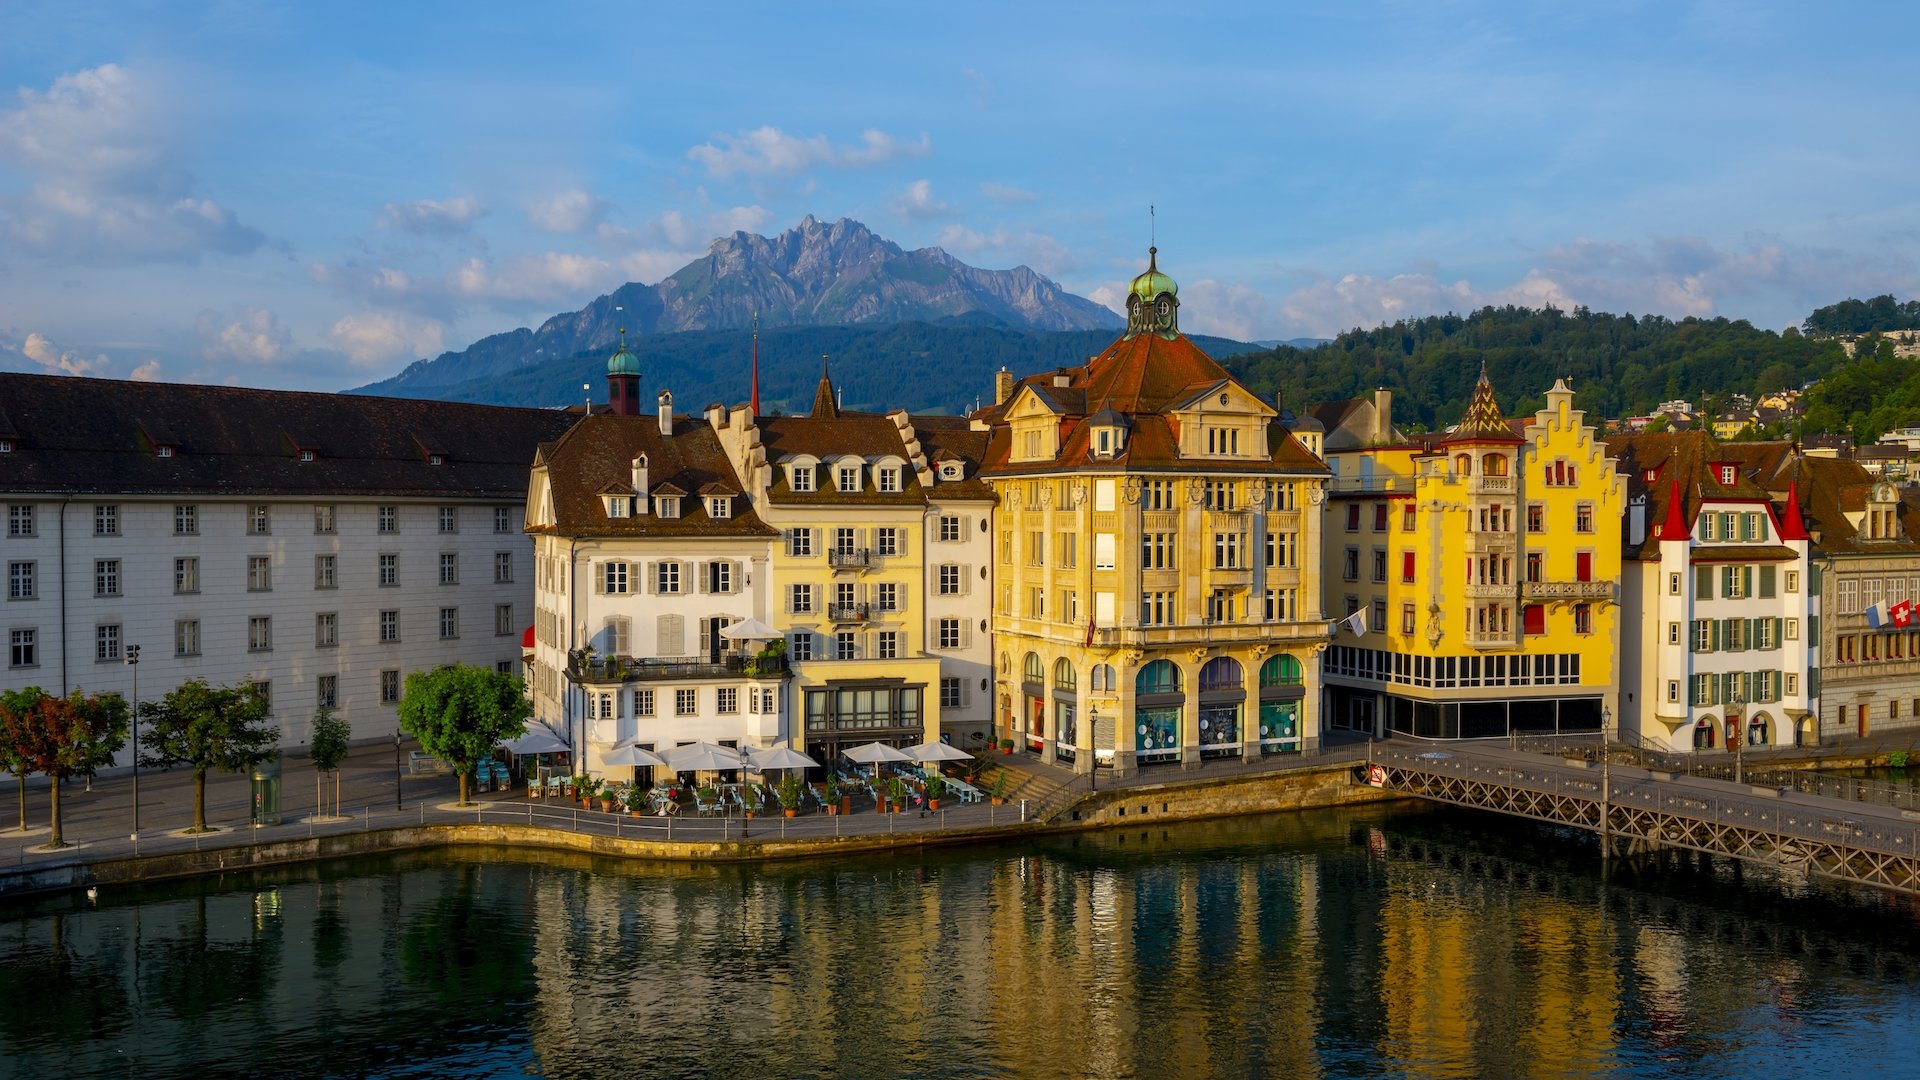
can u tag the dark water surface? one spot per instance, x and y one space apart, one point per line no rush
1368 942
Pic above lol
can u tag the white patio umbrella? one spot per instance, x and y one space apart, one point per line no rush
937 751
874 753
706 759
632 755
750 630
536 740
780 757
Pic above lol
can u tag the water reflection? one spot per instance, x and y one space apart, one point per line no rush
1398 942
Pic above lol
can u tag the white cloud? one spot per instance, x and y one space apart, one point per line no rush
768 151
1038 250
1225 309
147 372
918 204
61 361
552 277
573 211
432 217
107 186
1007 194
372 338
255 338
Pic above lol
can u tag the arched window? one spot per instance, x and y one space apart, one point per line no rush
1159 677
1703 734
1034 672
1463 464
1006 665
1221 673
1063 678
1282 670
1493 465
1103 677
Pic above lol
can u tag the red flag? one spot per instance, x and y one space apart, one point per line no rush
1902 613
1089 631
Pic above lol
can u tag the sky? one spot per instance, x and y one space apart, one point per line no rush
312 196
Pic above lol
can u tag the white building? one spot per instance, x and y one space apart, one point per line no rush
321 545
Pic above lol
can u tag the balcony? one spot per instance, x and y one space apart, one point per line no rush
1489 592
606 670
849 613
1492 485
850 558
1486 640
1237 633
1567 590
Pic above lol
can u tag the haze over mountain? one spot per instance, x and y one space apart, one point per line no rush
815 274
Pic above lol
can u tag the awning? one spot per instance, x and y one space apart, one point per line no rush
526 639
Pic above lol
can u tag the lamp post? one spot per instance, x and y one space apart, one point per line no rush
1740 739
1093 750
396 772
1606 784
133 664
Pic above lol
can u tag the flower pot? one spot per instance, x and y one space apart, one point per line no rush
880 806
933 804
791 812
833 809
997 800
846 804
633 813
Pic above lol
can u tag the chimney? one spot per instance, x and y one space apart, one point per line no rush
666 414
1637 520
1002 386
640 484
1382 415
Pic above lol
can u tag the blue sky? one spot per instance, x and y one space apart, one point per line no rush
313 196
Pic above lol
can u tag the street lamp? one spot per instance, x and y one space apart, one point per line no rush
1739 738
1093 751
133 663
396 771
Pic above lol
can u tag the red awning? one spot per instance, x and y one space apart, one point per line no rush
526 639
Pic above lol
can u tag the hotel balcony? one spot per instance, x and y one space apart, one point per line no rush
1567 590
609 670
849 613
850 558
1236 633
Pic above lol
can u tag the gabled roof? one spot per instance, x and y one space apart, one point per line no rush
85 435
1482 421
595 456
1685 477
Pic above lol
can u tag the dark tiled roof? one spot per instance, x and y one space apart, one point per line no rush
1742 553
596 455
97 435
1688 457
1833 488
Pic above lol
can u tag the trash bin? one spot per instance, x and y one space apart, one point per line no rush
265 807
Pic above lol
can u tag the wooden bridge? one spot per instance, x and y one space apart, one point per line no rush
1635 809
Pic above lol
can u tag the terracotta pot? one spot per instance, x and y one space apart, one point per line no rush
633 813
846 804
997 800
880 806
933 804
790 813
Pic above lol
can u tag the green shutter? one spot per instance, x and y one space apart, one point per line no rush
1717 634
1746 581
1814 577
1768 575
1779 638
1703 583
1813 683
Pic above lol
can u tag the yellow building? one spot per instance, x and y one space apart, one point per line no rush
1479 570
877 575
1154 545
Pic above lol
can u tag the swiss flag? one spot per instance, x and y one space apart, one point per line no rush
1902 613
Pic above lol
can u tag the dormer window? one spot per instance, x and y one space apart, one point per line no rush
306 455
719 507
163 450
667 506
847 478
801 478
888 479
1103 442
618 506
950 470
436 459
1729 475
6 446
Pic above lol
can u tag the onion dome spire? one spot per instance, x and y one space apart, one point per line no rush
1153 301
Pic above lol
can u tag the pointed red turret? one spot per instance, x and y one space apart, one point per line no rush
1674 525
1792 525
754 401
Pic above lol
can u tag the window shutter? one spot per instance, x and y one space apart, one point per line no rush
966 634
1703 583
736 572
933 633
701 586
706 637
1746 581
1776 686
1779 634
686 572
652 584
1717 632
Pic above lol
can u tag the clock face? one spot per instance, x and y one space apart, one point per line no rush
1165 307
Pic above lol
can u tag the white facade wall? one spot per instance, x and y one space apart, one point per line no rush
968 719
149 611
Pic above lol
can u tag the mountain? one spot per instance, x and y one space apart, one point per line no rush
815 274
923 367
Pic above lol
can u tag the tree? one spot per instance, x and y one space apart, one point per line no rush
207 727
329 749
459 712
64 738
13 701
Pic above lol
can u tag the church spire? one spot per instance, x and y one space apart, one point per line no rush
754 401
1483 419
824 405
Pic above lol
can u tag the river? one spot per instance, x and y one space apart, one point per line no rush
1396 941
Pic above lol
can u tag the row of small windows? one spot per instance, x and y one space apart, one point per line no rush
1495 517
1380 665
944 634
848 543
23 575
727 700
25 641
847 475
1222 673
21 519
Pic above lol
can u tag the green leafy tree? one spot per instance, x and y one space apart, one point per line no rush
207 727
11 759
66 737
459 712
331 733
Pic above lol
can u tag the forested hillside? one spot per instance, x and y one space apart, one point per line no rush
1619 365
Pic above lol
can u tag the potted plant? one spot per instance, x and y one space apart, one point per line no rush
936 787
588 789
749 799
790 794
998 792
897 794
831 796
608 798
636 800
1006 746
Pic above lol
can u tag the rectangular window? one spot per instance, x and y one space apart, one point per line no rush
1703 583
888 480
389 569
613 578
449 568
389 518
643 703
950 634
1583 518
106 520
260 633
951 529
259 520
1353 517
887 644
1379 517
186 637
503 519
887 596
666 577
844 643
449 519
449 623
800 543
106 641
327 692
502 567
106 577
1793 581
323 519
1379 565
259 573
26 652
1582 619
847 478
1103 551
326 629
802 646
1536 518
800 599
389 626
726 700
803 478
186 575
389 687
1351 568
20 581
503 620
686 701
1226 551
19 519
323 572
186 520
1406 565
1768 579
